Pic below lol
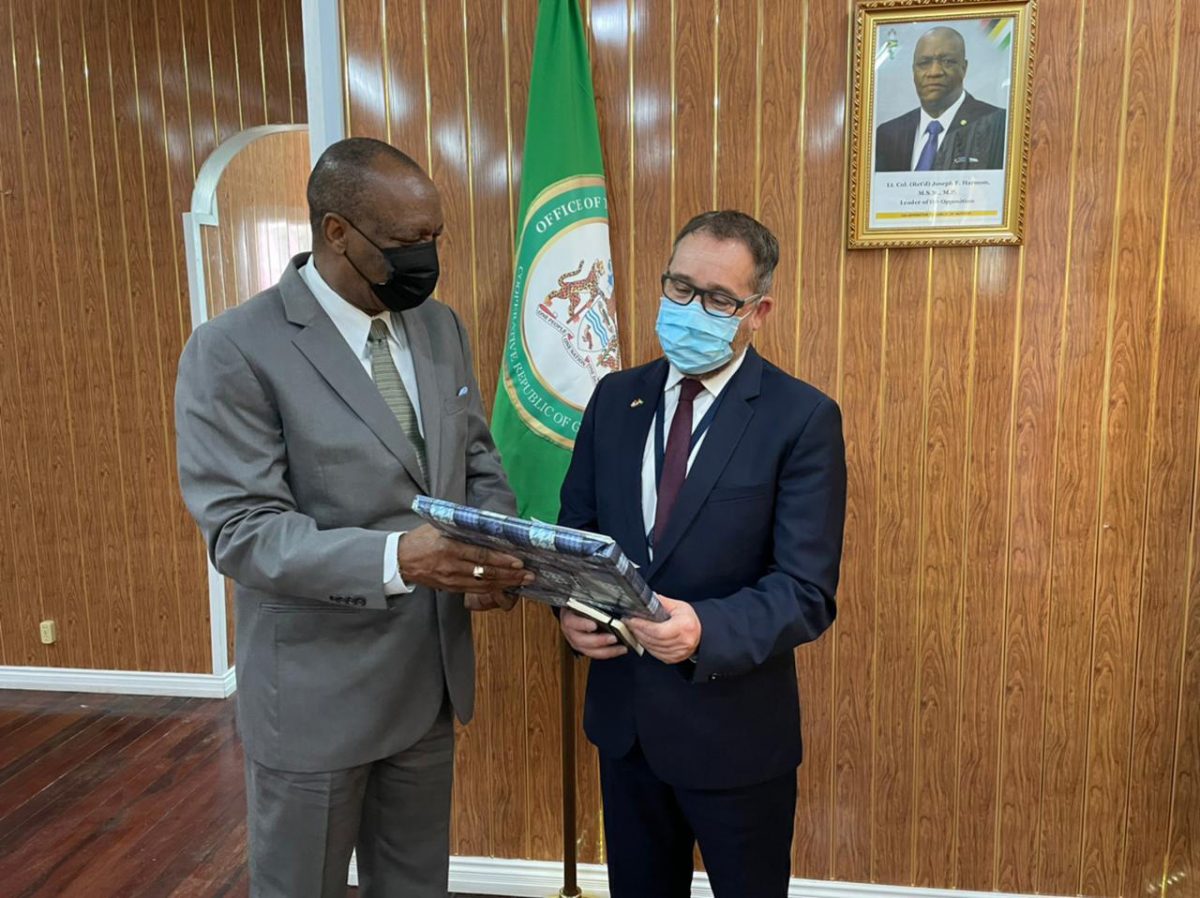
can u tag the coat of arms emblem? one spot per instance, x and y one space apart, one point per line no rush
581 310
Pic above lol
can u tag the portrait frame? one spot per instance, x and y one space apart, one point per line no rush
903 192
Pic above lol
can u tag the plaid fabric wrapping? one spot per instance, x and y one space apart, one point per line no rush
567 563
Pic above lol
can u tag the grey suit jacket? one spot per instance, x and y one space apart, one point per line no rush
296 470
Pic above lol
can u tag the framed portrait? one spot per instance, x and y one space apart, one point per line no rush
940 122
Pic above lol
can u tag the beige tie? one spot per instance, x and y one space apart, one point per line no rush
387 379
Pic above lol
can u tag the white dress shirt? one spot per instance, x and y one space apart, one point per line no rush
946 119
355 326
712 385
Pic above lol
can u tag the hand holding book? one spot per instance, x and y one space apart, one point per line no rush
673 640
585 572
589 637
430 557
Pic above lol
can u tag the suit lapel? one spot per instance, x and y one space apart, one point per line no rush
906 136
634 428
730 423
427 390
950 145
322 344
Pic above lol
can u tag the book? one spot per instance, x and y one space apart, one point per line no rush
572 568
607 622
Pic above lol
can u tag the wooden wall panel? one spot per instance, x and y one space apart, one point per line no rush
503 636
897 547
1006 701
949 379
1133 342
1066 645
293 32
114 107
984 538
47 391
24 573
1166 765
652 143
227 87
809 333
246 22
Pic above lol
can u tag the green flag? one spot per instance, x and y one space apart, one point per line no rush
562 326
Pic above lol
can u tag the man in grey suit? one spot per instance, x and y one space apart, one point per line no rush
308 418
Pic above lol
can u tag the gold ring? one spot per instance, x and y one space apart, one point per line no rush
477 572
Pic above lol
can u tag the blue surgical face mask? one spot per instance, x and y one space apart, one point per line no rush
694 341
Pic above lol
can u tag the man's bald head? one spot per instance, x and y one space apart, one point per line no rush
939 67
344 180
942 34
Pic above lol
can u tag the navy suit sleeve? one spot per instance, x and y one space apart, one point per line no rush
794 602
577 499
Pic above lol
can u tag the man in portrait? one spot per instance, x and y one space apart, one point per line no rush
950 129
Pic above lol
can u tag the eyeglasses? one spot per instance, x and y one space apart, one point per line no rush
714 302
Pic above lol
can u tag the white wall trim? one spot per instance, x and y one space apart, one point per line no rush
323 74
119 682
536 879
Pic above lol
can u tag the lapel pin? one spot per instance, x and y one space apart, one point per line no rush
636 403
963 122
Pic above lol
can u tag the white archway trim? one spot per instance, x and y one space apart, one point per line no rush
204 213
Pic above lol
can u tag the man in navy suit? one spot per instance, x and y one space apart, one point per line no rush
724 479
950 129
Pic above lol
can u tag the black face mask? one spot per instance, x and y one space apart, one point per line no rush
414 273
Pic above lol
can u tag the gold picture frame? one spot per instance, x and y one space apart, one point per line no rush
941 98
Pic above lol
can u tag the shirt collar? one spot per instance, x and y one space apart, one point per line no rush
352 322
713 383
946 119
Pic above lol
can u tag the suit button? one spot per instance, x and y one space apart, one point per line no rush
359 600
712 677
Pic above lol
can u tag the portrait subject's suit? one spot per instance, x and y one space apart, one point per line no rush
754 544
296 470
974 140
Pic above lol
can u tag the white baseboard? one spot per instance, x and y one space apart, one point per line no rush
119 682
539 879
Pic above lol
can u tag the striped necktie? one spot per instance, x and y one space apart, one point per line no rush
391 387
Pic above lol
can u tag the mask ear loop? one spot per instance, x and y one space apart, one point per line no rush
378 248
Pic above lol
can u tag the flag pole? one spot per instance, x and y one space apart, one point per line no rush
570 887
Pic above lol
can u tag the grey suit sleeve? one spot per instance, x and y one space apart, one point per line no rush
487 485
233 473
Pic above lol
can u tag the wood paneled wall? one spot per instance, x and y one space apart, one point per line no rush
110 108
1011 697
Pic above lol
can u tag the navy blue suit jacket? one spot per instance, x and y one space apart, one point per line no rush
754 543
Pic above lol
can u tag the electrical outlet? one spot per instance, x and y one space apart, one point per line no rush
48 631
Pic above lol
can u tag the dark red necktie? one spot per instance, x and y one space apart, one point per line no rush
679 447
